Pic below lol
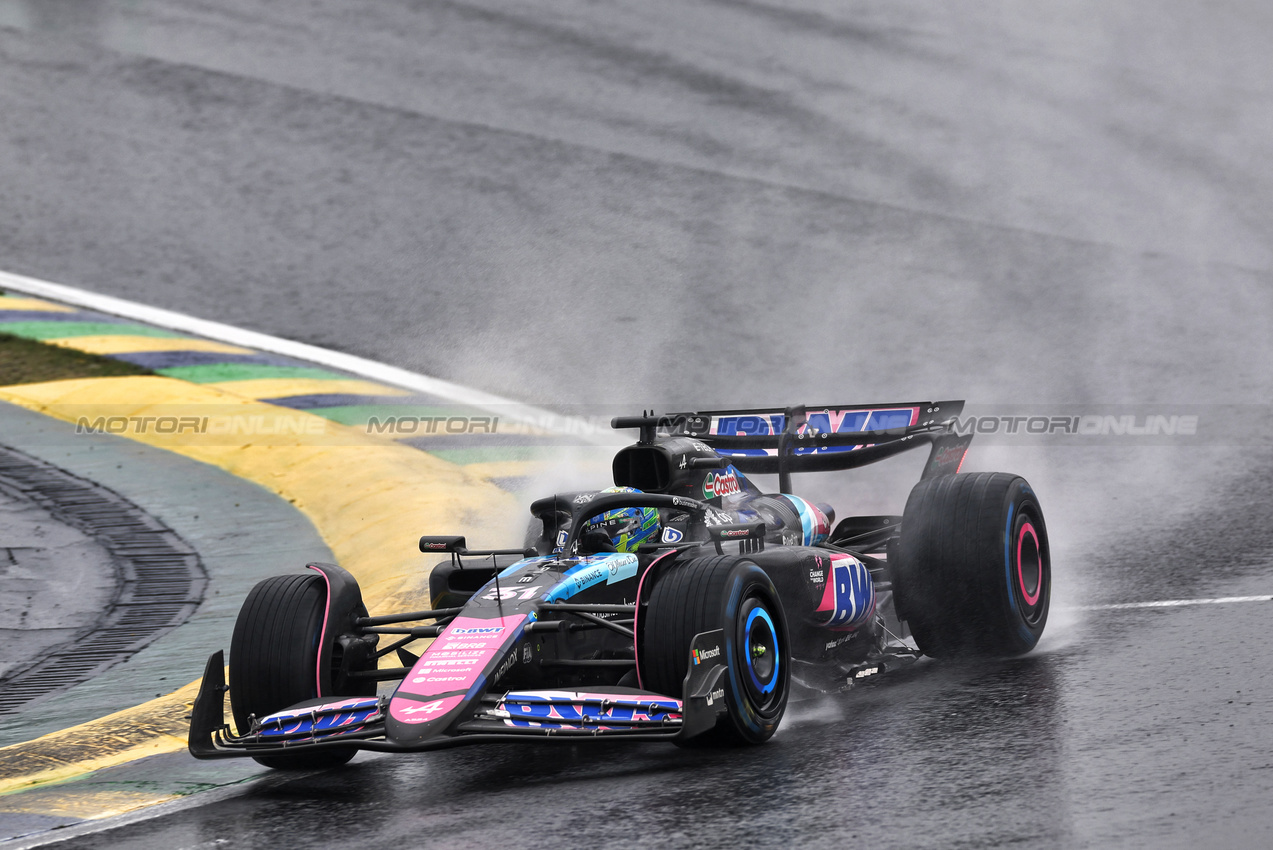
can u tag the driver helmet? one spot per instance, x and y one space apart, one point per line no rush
627 528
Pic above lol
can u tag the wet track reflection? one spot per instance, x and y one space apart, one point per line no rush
1147 738
941 755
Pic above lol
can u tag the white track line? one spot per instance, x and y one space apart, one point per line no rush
370 369
1171 603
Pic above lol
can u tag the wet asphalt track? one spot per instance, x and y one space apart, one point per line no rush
743 203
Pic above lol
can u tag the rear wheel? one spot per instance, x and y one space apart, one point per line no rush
735 595
274 659
973 571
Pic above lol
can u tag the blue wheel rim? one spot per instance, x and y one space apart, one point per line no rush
760 650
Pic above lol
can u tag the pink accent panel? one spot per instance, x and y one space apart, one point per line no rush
322 637
828 590
457 658
413 711
1029 600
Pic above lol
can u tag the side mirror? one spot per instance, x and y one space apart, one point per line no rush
750 536
433 543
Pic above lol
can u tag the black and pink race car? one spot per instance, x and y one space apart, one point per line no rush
681 604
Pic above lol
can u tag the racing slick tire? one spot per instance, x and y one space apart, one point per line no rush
973 573
733 594
273 655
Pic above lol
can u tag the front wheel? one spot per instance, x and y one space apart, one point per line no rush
735 595
973 575
277 654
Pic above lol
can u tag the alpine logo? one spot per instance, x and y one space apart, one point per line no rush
701 655
405 710
719 484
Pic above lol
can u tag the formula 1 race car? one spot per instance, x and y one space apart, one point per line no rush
682 604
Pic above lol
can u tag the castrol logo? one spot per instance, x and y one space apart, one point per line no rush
720 484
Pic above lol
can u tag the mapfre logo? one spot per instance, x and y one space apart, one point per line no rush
721 484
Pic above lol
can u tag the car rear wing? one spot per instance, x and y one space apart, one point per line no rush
817 439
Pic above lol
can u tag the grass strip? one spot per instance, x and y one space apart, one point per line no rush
27 361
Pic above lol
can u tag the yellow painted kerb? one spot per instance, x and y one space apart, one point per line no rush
369 498
126 344
35 305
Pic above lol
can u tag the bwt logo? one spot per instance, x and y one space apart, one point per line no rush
489 630
433 425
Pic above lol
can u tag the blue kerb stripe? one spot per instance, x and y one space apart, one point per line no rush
172 359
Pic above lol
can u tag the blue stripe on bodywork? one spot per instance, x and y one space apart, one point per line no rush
591 571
